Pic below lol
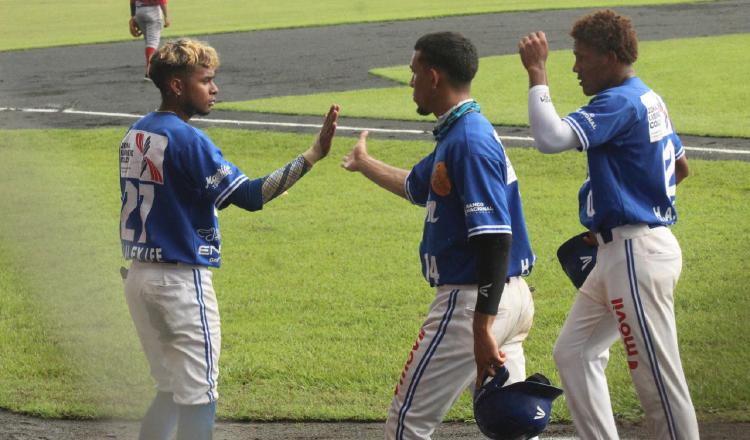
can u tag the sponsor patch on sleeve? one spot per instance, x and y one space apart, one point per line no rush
659 124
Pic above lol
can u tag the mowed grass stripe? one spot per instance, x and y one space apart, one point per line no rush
703 99
320 294
44 23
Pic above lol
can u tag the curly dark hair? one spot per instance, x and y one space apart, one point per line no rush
451 52
607 31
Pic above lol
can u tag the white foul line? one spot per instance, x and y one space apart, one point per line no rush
303 125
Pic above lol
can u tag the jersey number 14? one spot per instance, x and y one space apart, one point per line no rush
430 268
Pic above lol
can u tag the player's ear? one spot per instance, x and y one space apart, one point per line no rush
436 77
175 85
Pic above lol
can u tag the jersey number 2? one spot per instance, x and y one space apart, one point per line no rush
143 195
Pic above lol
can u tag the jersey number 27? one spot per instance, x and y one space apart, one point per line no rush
143 195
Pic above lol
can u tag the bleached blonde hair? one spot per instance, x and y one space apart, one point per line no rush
180 57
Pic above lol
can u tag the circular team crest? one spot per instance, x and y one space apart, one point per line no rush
441 183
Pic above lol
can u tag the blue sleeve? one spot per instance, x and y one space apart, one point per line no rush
249 196
214 177
417 185
481 185
679 151
603 119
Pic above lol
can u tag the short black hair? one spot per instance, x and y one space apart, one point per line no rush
450 52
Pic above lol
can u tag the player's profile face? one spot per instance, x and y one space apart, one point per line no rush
420 83
200 91
592 68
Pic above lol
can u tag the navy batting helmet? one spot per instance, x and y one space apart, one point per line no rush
519 411
577 259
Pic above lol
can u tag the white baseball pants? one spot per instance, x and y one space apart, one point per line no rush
628 295
175 313
441 364
150 20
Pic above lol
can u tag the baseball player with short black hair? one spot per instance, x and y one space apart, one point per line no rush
173 182
475 247
635 161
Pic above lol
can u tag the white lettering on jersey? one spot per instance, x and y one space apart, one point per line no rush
210 234
210 251
525 266
666 216
659 125
589 117
142 156
590 204
477 207
669 169
431 206
431 268
214 181
142 253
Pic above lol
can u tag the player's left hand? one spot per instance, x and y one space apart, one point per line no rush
487 355
322 145
135 30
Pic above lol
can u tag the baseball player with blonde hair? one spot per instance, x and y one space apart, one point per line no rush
173 182
635 161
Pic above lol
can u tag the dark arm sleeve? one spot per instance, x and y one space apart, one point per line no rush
493 253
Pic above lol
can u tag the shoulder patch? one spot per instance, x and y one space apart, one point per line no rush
441 182
142 156
659 125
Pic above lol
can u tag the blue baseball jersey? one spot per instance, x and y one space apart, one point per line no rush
173 179
632 148
468 187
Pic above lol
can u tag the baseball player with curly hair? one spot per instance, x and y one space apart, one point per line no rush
147 18
173 182
475 248
635 161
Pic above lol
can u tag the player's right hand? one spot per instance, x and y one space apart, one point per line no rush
534 50
358 155
487 354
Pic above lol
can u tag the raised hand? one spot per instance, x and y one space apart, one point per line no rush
534 50
322 145
354 159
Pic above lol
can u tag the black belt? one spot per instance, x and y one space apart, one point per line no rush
507 280
607 233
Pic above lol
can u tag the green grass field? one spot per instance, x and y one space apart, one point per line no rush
320 293
702 99
45 23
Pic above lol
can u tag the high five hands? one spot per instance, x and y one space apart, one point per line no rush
322 144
